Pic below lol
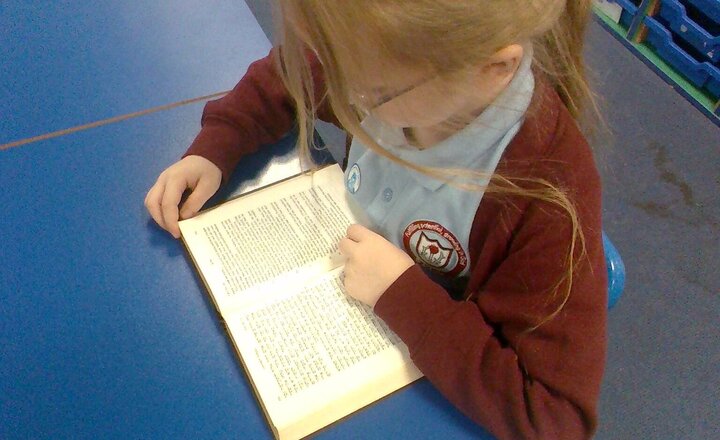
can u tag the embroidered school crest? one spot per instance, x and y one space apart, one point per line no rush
353 179
431 252
433 246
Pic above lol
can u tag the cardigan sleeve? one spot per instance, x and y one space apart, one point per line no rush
478 353
257 111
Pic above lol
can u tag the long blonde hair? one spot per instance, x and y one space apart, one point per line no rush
444 37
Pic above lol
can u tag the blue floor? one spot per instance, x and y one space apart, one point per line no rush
661 175
660 168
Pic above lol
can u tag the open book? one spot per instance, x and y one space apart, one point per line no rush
270 262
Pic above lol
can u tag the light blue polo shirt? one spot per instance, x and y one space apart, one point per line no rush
428 218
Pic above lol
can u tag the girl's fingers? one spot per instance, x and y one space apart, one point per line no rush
174 190
201 193
358 232
153 200
346 246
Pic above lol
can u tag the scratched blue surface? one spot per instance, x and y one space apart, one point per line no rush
66 63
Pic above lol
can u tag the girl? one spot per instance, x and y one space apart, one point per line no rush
486 256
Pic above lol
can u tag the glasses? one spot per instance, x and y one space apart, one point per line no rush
366 104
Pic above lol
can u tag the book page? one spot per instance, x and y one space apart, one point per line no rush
306 349
270 263
256 246
266 240
309 336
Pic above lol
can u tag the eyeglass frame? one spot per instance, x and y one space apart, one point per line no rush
387 98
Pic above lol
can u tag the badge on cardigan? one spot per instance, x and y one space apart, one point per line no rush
433 246
353 179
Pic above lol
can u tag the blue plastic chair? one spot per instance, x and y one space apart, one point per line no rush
616 271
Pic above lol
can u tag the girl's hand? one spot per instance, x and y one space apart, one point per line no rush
373 264
192 172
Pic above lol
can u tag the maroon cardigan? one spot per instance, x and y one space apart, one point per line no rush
541 384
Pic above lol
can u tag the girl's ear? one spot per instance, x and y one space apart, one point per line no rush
502 64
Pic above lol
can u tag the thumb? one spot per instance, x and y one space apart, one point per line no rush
197 198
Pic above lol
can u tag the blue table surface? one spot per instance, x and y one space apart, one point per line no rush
105 329
68 63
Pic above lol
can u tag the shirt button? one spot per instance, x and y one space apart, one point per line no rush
387 194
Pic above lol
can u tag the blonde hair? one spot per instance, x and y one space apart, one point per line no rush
443 37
